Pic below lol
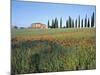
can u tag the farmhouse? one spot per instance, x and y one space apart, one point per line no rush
38 26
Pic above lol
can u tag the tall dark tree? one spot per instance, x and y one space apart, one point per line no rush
76 23
72 24
60 22
53 24
92 20
79 21
56 23
48 24
85 24
82 23
66 23
88 25
69 22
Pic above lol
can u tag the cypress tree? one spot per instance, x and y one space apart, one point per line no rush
48 24
82 23
88 25
76 23
72 24
66 23
60 22
85 21
56 23
53 23
79 22
69 25
92 20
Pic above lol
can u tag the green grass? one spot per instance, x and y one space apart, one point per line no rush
29 32
52 50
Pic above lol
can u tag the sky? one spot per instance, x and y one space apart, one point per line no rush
23 13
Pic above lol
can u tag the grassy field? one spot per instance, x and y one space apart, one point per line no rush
52 50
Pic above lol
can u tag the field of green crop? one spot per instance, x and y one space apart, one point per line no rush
52 50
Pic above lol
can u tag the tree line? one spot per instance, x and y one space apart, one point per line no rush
71 23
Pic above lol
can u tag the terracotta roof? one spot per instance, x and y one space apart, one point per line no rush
37 23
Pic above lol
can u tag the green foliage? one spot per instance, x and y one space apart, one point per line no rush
60 22
82 23
64 53
69 25
56 23
88 25
85 21
79 22
72 24
76 23
66 23
48 24
92 20
53 24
